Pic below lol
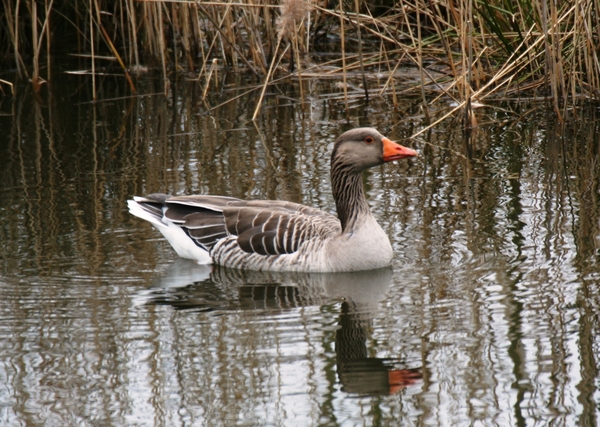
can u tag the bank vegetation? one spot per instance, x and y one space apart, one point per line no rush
468 51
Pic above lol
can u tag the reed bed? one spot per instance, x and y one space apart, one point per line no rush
468 51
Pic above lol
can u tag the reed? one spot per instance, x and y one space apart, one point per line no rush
471 51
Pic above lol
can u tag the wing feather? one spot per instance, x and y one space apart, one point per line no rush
263 227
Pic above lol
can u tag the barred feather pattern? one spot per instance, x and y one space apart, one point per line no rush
349 194
253 234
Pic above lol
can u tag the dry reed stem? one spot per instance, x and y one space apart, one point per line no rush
467 13
360 52
229 42
12 87
299 69
275 81
482 53
92 47
117 56
48 10
38 38
343 49
420 63
133 32
370 30
479 92
387 83
262 94
12 21
293 13
213 68
215 3
162 48
212 44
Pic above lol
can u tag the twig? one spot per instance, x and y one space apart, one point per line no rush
343 48
262 94
233 45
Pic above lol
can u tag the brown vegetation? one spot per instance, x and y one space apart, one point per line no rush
465 50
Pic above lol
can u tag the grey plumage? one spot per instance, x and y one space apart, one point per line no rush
279 235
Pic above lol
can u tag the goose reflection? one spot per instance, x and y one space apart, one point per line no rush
189 286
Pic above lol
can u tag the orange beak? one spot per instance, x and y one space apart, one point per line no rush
393 151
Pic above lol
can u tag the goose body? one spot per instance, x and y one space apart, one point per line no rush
284 236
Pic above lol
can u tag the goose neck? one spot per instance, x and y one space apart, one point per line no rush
349 195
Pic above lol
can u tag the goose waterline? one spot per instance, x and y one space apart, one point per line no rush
284 236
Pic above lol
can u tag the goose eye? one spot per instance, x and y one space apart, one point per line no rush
369 139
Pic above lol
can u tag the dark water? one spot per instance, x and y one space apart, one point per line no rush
488 317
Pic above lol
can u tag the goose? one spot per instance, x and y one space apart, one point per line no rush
272 235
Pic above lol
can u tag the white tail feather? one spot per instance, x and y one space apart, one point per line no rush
181 242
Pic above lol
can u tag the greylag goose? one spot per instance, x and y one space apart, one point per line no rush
284 236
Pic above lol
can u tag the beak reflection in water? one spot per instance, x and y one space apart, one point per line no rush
219 290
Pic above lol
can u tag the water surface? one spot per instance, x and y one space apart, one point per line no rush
489 315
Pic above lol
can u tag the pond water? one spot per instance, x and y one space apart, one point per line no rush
489 315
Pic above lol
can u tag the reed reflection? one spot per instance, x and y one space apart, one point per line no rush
188 286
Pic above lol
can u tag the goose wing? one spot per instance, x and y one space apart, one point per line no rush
263 227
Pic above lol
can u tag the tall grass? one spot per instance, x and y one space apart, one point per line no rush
466 50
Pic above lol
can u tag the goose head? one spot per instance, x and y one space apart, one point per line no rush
362 148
